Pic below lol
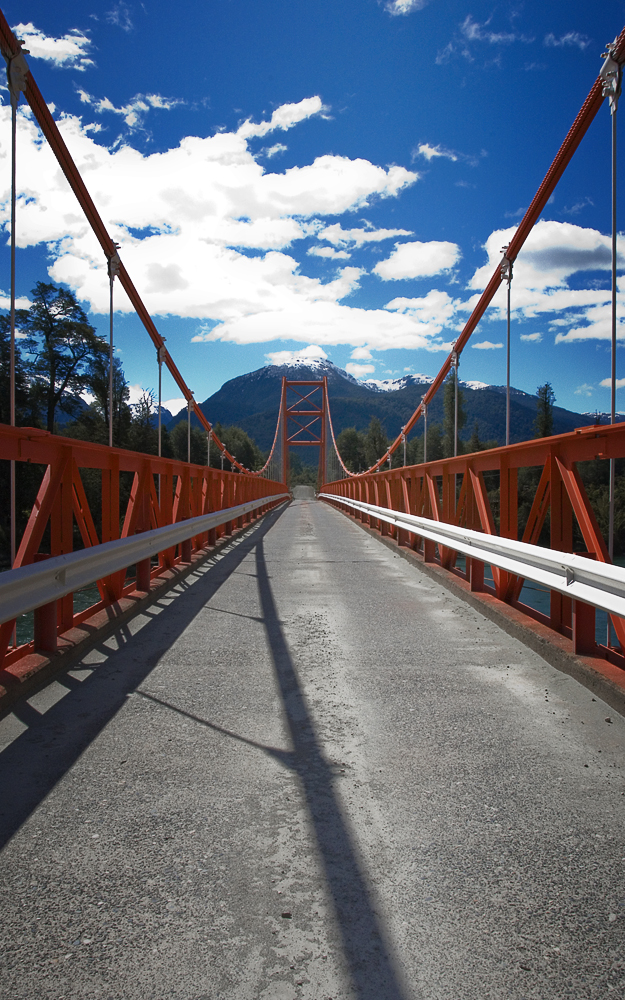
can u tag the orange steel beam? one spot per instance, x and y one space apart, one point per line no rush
563 157
559 492
48 126
62 500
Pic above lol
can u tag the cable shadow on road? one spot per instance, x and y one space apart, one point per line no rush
36 760
367 954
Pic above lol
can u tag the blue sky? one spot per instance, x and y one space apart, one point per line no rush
335 178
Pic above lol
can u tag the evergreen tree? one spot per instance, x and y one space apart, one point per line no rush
351 445
25 409
63 345
544 415
375 442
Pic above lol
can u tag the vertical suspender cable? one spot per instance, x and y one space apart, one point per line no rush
208 449
424 408
611 85
17 68
455 364
14 99
113 270
506 274
189 405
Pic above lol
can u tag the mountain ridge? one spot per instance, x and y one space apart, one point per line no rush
252 402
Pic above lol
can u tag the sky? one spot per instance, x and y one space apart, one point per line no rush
330 179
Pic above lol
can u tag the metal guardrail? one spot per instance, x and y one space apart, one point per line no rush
599 584
29 587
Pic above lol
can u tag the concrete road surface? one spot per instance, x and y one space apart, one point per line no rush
311 772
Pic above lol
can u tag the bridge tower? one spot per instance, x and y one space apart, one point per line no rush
305 412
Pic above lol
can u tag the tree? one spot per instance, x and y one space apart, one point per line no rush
544 416
24 403
99 387
240 445
375 442
63 345
449 400
143 435
352 449
180 443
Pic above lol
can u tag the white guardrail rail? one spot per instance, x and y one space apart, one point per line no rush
596 583
29 587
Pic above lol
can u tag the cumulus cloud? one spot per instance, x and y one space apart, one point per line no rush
329 252
204 229
359 370
572 38
486 345
418 260
554 253
405 6
532 338
584 390
311 353
272 151
174 405
70 51
361 354
284 117
607 383
432 152
356 237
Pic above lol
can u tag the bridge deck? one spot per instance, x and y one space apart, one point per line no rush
312 772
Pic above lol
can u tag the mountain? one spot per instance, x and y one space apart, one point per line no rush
252 401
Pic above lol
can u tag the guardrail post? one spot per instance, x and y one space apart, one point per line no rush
144 570
476 575
583 628
185 551
429 550
45 620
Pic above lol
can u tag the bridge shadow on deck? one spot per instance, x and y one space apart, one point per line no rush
370 963
32 765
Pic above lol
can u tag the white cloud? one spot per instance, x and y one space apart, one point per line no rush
553 253
486 345
532 338
405 6
356 237
135 110
272 151
311 353
284 117
474 31
584 390
572 38
174 405
418 260
607 383
358 370
329 252
68 52
432 152
135 392
361 354
20 303
120 16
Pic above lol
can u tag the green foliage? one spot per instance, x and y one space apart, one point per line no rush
301 474
63 347
375 442
240 445
180 443
25 412
543 425
351 445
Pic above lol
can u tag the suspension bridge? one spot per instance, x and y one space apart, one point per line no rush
276 743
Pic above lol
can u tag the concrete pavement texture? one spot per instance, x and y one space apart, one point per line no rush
309 771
